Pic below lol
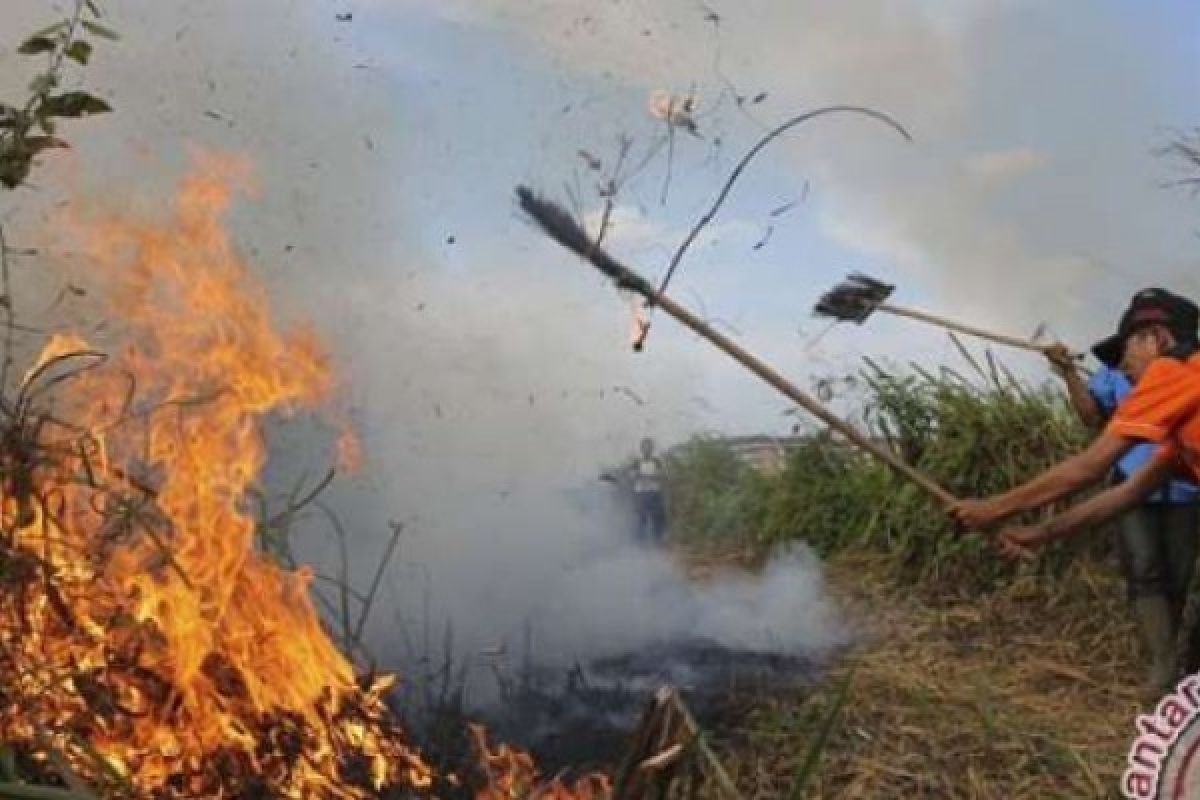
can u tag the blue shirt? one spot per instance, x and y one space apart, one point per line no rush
1110 387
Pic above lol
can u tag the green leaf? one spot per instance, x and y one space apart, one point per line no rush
42 84
37 44
92 8
808 767
14 169
74 104
80 51
99 30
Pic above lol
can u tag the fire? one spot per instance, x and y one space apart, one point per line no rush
510 773
639 323
349 452
144 639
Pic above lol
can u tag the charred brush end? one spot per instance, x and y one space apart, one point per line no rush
555 220
558 223
854 299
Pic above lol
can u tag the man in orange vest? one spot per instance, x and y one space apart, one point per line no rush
1157 336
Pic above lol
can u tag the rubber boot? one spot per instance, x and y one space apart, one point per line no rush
1153 615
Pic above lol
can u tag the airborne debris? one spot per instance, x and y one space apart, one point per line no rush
766 237
632 395
783 209
676 110
592 162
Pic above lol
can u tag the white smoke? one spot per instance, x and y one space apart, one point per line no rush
489 374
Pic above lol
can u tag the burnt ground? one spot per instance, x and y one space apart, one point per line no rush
1028 691
582 716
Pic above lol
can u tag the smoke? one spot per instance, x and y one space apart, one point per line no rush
490 376
490 382
499 417
559 569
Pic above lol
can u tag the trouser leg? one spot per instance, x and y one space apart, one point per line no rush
652 516
645 521
1147 573
1181 532
658 517
1180 527
1142 553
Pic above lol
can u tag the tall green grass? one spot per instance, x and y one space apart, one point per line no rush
976 432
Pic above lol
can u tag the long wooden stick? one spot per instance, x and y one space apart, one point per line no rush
962 327
562 227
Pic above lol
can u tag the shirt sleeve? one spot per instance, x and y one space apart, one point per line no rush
1103 389
1165 397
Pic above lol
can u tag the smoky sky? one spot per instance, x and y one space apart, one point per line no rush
488 374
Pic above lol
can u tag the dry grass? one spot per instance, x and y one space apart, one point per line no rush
1029 692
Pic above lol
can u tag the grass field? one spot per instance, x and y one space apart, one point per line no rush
971 678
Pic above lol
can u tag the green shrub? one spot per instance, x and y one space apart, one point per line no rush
974 437
712 496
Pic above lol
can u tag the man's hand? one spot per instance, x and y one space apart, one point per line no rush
1019 542
977 514
1061 359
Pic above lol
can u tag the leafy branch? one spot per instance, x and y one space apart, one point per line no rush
29 129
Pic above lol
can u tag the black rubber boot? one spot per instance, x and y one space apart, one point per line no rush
1153 614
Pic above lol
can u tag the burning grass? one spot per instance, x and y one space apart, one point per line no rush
147 649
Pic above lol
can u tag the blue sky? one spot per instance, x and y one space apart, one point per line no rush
1034 128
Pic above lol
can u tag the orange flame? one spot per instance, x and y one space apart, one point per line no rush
142 634
141 513
349 458
512 774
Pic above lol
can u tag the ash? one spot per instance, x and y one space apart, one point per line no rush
582 716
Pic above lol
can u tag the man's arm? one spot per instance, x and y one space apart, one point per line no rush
1082 400
1095 511
1062 479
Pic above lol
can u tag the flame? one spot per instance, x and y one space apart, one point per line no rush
639 322
511 774
349 456
149 648
150 642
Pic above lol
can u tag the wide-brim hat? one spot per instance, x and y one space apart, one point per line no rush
1150 307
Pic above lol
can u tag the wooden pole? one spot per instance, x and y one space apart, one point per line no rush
798 396
563 228
962 327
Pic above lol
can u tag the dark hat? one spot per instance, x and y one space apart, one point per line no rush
1150 307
